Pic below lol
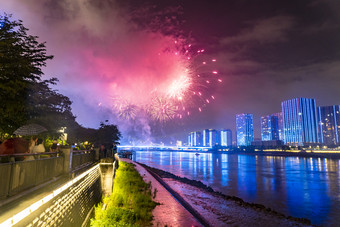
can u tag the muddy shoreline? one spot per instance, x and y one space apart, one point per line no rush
240 202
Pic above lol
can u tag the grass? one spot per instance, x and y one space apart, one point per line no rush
130 203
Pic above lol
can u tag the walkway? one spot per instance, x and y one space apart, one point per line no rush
170 212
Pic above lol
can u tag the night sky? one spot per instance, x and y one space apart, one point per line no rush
267 51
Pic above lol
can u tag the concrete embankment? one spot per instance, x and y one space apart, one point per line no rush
213 208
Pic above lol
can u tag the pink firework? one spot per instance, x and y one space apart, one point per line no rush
188 86
161 109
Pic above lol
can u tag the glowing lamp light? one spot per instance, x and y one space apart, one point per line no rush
214 72
200 109
213 60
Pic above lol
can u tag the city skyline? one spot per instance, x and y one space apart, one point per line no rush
301 122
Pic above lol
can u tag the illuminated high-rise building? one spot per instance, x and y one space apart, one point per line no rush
328 122
205 138
244 129
299 121
215 137
226 137
269 128
197 139
279 125
190 139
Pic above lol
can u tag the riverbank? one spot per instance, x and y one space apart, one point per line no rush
221 210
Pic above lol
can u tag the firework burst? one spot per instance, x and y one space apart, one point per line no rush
161 109
172 79
124 109
188 87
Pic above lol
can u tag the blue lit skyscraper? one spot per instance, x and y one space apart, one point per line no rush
215 137
269 128
197 139
226 137
205 138
191 139
244 129
299 121
279 126
328 122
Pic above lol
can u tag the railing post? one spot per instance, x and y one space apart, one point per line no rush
96 154
67 152
10 180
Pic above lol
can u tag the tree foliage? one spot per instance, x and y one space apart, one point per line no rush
107 135
21 60
49 108
25 97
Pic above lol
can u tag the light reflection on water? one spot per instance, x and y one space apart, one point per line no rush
300 187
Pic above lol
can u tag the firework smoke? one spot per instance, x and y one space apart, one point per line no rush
124 61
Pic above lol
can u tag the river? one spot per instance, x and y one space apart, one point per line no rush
295 186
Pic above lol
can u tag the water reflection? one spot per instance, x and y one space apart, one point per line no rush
300 187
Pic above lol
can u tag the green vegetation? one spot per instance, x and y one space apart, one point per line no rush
130 203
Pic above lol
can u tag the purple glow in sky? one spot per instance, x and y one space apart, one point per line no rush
265 52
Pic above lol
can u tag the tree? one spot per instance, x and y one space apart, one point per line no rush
49 108
21 60
108 134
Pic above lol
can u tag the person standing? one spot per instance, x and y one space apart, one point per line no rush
102 151
54 147
39 147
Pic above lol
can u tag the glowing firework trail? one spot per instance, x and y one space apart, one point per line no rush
175 80
128 112
124 109
162 110
179 87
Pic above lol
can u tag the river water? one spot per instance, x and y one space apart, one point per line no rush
296 186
